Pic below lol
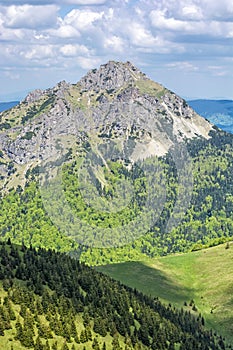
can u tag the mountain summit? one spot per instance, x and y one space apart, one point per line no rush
113 101
112 75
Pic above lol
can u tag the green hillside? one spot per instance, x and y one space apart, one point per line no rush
52 301
207 222
204 276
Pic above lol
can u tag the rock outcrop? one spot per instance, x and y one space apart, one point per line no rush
116 102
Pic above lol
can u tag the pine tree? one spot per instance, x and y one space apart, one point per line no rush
8 305
38 344
44 331
95 344
115 343
19 330
55 346
83 336
47 346
88 333
65 346
2 328
5 317
76 339
23 310
99 327
73 331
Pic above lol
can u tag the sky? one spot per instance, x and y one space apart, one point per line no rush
186 45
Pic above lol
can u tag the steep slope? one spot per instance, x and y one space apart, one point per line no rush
114 160
51 301
114 100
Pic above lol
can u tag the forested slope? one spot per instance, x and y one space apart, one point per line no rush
207 222
51 301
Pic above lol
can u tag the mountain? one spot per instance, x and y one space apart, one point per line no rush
113 168
218 112
4 106
113 100
51 301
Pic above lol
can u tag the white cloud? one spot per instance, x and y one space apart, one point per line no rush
183 66
64 31
216 9
139 35
213 28
86 2
70 50
192 12
39 52
114 43
58 2
178 36
193 9
82 19
88 62
28 16
161 21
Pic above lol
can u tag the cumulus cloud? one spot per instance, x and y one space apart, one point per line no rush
165 20
115 43
82 19
39 52
48 2
70 50
65 31
88 62
85 2
139 35
28 16
78 34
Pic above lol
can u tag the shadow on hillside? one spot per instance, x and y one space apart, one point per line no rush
150 281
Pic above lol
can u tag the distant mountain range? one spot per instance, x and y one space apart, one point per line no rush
218 112
4 106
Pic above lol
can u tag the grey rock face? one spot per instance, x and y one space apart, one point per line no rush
33 96
111 76
117 101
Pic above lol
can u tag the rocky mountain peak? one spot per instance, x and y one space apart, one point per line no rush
115 103
111 76
33 96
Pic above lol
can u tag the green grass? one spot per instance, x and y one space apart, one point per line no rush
204 276
150 87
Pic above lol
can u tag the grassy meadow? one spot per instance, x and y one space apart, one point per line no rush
205 276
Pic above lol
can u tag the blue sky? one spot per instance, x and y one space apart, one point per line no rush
187 45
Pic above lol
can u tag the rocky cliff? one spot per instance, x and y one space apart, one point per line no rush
115 102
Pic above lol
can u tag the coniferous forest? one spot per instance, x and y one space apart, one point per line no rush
52 301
